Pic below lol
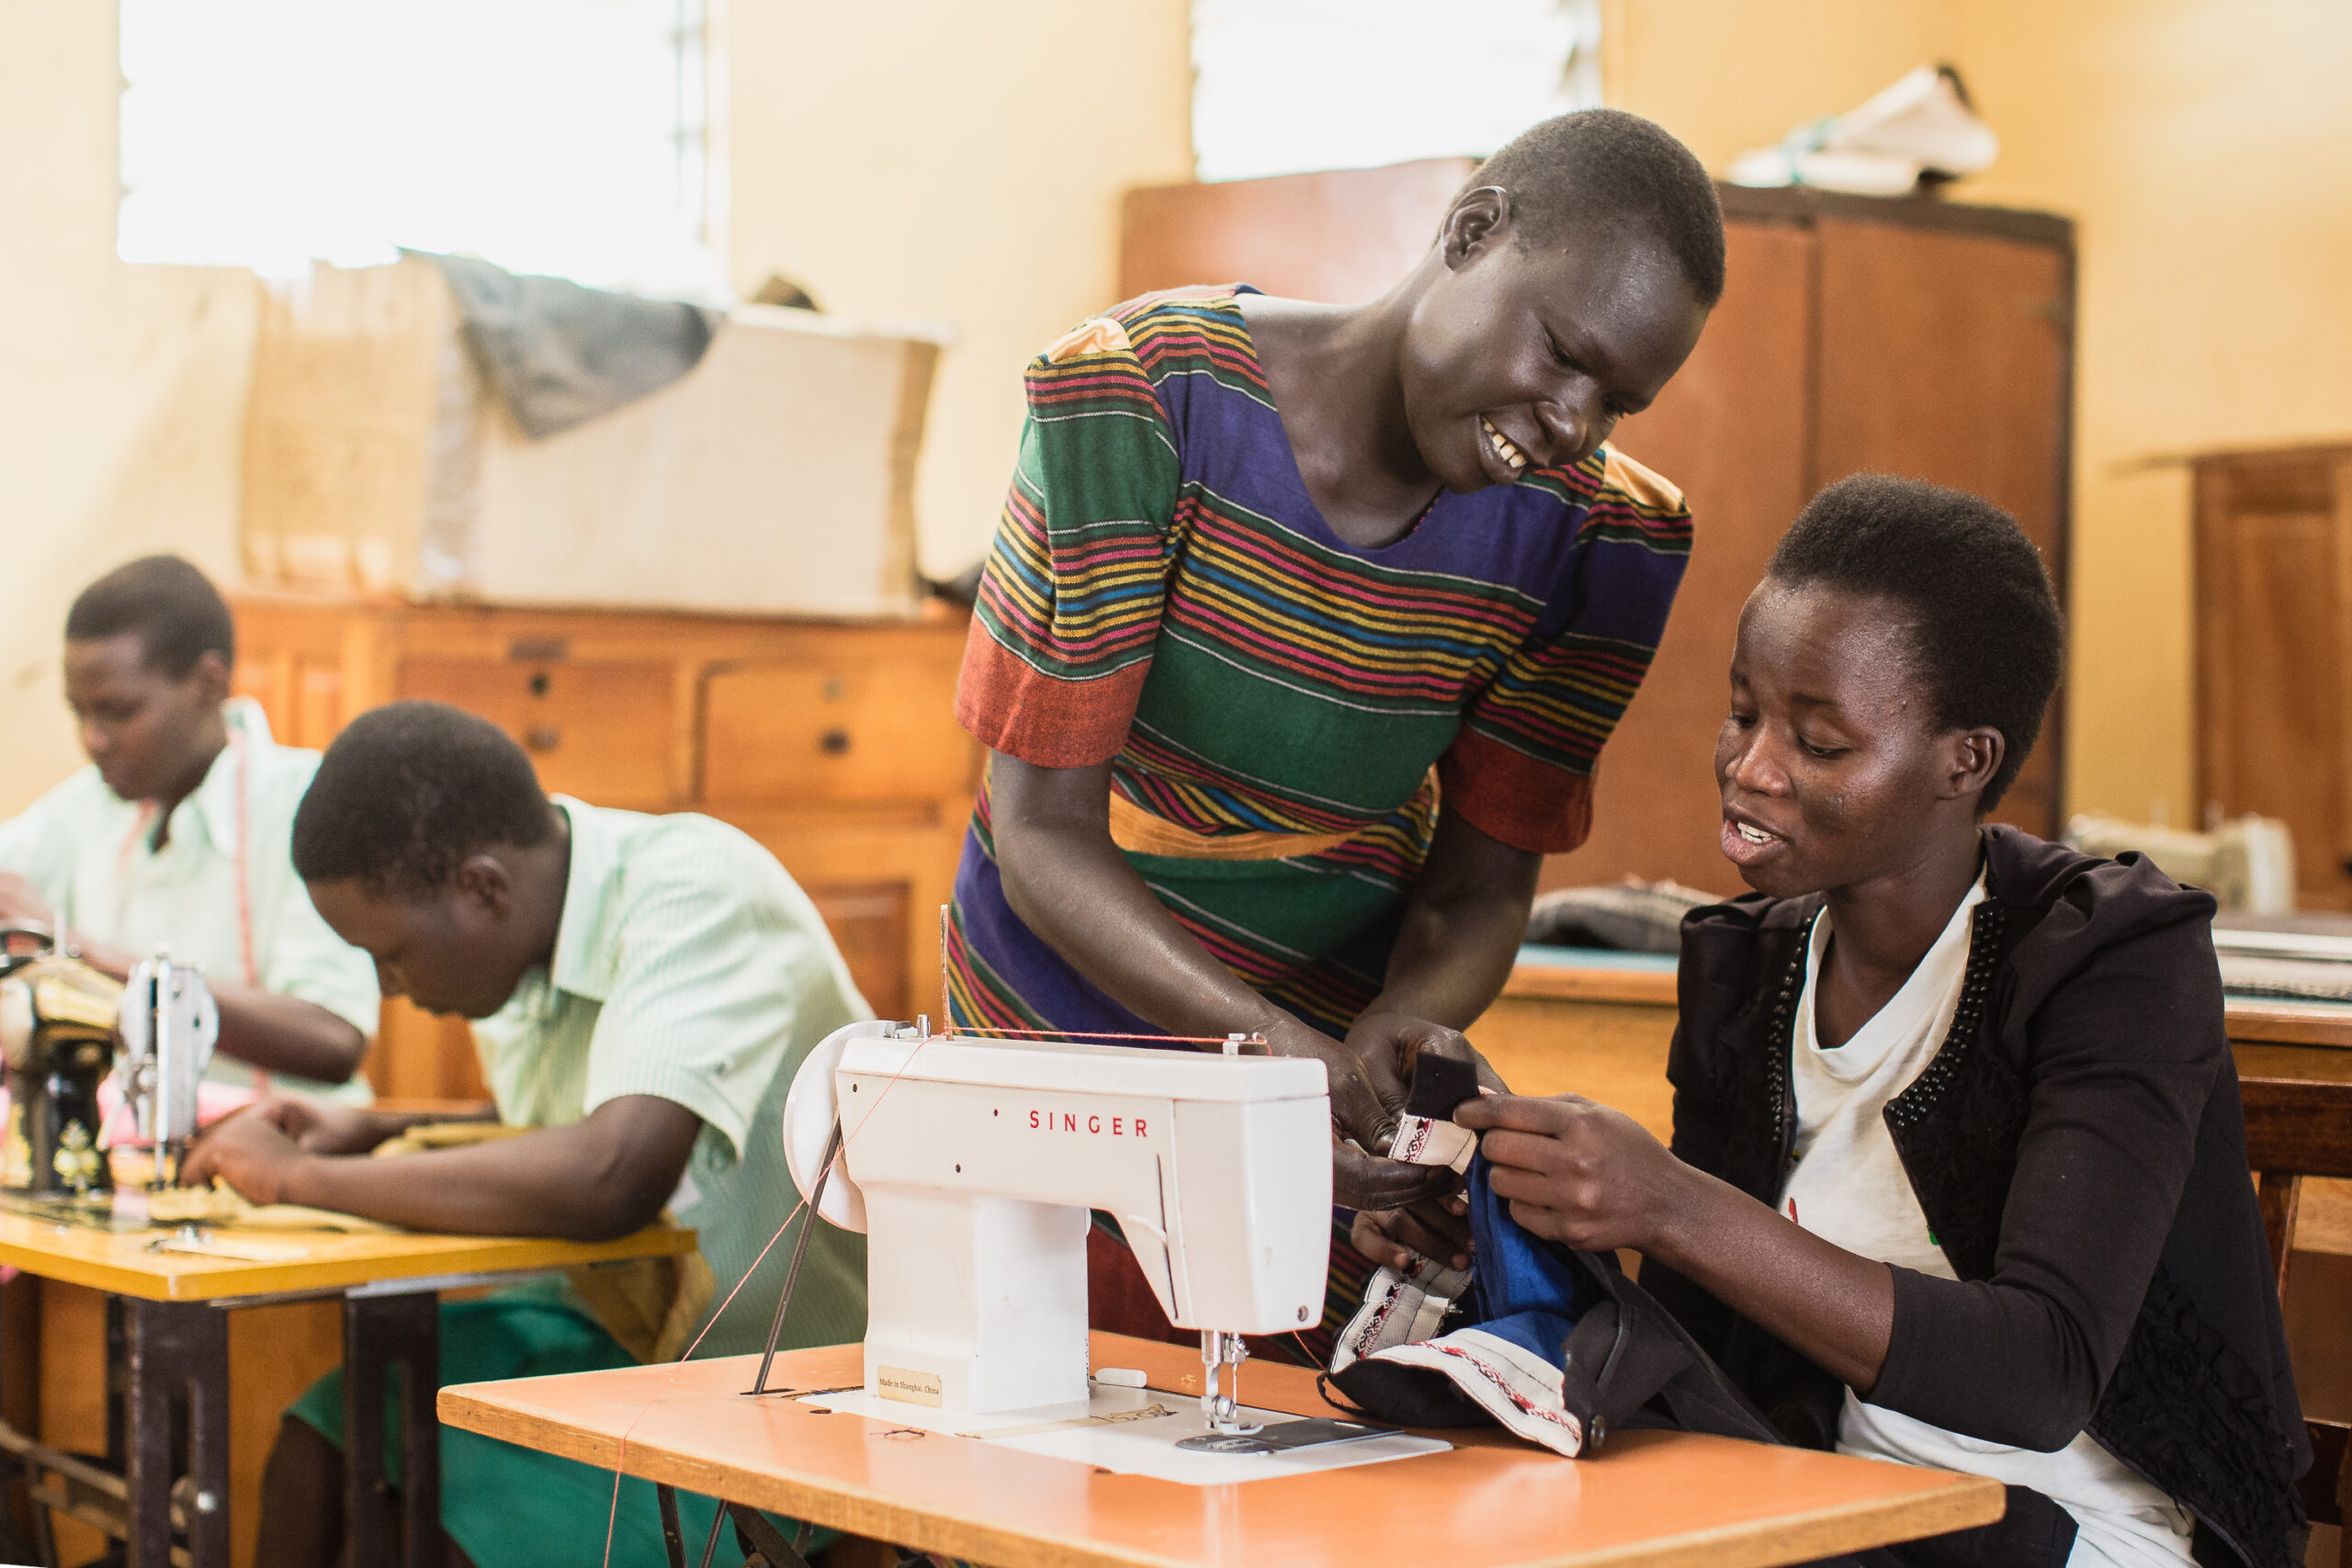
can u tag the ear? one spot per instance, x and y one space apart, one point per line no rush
1479 219
210 673
1971 759
484 881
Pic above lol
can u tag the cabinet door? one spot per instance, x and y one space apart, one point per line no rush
879 886
1944 356
1729 429
597 730
2274 613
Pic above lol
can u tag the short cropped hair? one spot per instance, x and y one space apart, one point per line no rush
1605 167
1987 634
178 614
407 793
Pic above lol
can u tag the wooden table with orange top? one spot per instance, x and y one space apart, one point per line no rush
176 1322
1652 1498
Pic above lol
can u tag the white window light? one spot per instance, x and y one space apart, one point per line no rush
567 137
1284 86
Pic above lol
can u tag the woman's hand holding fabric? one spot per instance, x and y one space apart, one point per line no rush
1437 1229
1576 1172
1361 1123
1593 1179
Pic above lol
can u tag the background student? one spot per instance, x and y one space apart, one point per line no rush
645 987
175 835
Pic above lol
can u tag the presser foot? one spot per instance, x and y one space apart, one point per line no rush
1221 1406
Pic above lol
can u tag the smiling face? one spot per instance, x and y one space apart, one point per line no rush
453 950
1833 768
1519 358
151 734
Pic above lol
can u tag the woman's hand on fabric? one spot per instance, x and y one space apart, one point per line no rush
248 1151
1358 1109
1360 1181
1361 1122
1576 1172
1437 1229
1389 1043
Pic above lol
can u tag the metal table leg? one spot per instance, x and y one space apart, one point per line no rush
179 1359
380 1331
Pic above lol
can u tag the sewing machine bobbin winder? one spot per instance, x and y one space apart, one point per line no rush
971 1165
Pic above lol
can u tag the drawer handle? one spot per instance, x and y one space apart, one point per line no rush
542 738
833 742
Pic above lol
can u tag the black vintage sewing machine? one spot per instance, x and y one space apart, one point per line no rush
61 1023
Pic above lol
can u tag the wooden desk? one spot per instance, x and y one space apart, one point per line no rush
1572 1021
177 1334
1654 1498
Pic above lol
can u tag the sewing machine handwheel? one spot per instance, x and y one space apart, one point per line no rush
809 1111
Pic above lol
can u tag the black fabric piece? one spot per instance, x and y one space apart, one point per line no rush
560 355
1627 1362
1407 1396
1630 916
1439 1083
2078 1147
2034 1533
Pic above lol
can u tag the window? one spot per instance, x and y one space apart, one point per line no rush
566 137
1283 86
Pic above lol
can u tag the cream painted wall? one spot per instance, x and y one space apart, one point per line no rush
122 389
2205 148
902 157
961 161
1727 76
2200 146
911 157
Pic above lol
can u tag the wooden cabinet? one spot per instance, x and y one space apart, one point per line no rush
2274 651
834 745
1855 334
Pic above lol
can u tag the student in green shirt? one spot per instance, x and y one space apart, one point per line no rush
645 989
175 835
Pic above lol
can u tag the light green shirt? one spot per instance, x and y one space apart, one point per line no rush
220 893
689 966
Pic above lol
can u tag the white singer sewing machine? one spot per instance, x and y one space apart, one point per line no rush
971 1164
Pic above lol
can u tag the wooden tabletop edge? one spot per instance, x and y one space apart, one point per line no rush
1965 1503
828 1501
1645 987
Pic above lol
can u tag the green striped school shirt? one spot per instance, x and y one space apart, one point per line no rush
691 967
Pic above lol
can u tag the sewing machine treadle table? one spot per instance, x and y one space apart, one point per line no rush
1653 1499
178 1321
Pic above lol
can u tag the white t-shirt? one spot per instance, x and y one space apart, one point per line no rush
1849 1187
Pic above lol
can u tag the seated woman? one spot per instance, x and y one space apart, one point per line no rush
1959 1172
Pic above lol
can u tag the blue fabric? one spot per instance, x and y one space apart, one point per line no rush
1522 1288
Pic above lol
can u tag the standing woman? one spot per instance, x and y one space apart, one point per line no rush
1306 623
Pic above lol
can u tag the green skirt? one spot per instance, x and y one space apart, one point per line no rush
516 1507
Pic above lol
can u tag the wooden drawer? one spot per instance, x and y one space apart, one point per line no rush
835 731
597 730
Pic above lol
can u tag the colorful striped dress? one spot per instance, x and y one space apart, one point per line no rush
1281 710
